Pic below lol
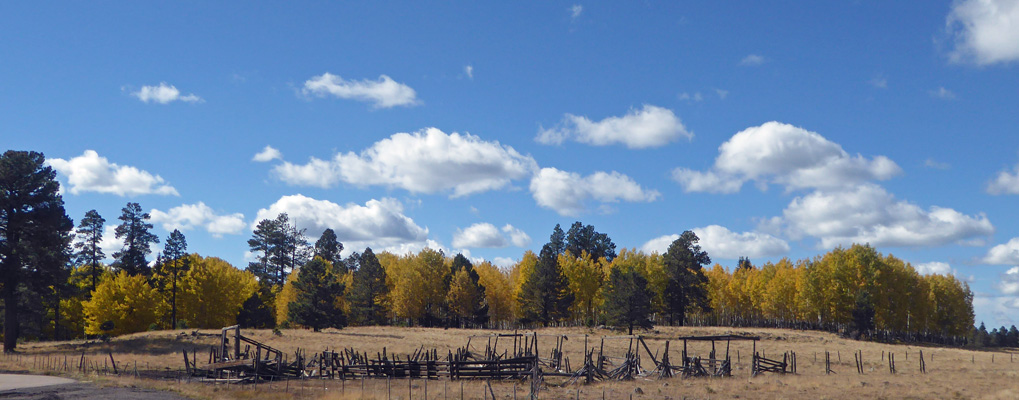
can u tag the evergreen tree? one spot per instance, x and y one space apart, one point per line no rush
686 284
134 231
256 312
280 247
35 236
466 295
863 313
628 299
317 292
557 241
368 290
545 296
744 263
174 262
329 248
90 235
581 238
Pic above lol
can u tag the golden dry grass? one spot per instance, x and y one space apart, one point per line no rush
952 373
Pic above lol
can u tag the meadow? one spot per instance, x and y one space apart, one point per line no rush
950 372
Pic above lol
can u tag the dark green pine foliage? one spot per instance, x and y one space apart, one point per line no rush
545 296
256 313
368 290
134 231
863 313
329 247
280 247
88 252
317 290
35 237
173 263
686 287
628 299
557 241
581 238
481 314
744 263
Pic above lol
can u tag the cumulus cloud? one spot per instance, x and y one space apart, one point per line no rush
984 31
1004 254
164 94
381 93
787 155
486 235
1009 282
267 154
1007 182
568 193
650 126
869 214
191 216
469 70
722 243
752 60
937 267
427 161
379 224
91 173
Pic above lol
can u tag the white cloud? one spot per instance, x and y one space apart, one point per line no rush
722 94
869 214
942 93
267 154
752 60
787 155
109 243
650 126
383 93
380 224
469 70
934 164
427 161
164 94
1004 254
575 11
91 173
568 193
518 237
1005 183
1008 282
190 216
1003 308
984 31
879 82
936 267
504 263
722 243
693 98
479 235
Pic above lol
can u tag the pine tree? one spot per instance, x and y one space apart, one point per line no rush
317 293
545 296
35 235
466 295
329 248
134 231
90 235
256 312
368 290
280 247
628 299
687 285
581 238
174 262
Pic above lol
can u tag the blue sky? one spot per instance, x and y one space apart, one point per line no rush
771 130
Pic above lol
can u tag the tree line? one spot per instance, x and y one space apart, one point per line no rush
55 284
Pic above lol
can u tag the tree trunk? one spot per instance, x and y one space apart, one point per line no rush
173 301
10 316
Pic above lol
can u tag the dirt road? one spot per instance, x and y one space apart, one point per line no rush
13 386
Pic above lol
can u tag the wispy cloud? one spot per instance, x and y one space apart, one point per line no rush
942 93
381 93
164 94
752 60
575 11
650 126
469 70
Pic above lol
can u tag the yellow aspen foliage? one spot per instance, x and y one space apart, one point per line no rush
519 274
498 292
779 300
72 314
719 295
648 265
418 290
586 278
211 292
286 296
463 296
126 302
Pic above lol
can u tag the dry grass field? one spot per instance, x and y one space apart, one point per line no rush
951 373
